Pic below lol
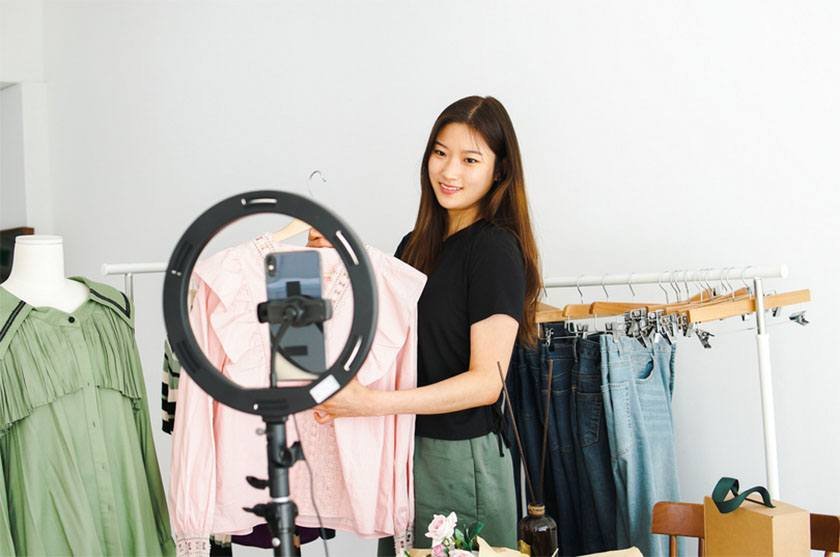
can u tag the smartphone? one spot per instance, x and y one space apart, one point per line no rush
302 354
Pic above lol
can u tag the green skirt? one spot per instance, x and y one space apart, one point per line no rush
469 478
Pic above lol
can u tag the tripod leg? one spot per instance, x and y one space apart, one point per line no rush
282 523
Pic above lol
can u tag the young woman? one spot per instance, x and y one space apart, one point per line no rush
473 239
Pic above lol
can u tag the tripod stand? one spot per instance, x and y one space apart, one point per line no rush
280 513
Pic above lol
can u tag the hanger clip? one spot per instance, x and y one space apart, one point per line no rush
650 329
799 317
549 334
665 327
631 323
614 330
703 336
667 323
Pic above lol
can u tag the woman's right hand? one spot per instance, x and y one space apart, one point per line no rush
353 400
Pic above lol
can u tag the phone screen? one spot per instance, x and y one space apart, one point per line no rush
290 274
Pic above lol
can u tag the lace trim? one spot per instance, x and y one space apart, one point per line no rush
193 547
404 542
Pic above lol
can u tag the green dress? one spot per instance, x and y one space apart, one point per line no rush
78 470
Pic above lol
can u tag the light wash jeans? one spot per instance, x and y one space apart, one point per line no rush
637 384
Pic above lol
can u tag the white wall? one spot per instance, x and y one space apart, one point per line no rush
12 183
21 40
26 194
25 191
655 136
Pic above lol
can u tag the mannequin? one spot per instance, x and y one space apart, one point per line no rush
74 422
37 275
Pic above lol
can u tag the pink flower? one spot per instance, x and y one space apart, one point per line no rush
460 553
439 551
442 527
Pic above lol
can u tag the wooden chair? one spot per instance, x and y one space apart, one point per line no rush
686 520
825 533
679 520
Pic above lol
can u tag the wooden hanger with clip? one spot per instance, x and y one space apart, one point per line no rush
724 310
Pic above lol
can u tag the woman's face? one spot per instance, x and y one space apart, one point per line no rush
461 169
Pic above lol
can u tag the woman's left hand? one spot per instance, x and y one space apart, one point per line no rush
352 401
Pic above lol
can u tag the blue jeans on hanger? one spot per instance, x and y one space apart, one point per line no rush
561 464
597 514
637 384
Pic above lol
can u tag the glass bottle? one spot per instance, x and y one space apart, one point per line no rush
537 533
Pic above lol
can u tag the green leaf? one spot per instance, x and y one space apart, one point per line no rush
471 541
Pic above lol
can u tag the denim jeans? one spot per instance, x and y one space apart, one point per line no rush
597 514
561 464
637 384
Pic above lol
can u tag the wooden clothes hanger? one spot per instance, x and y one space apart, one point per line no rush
701 299
547 313
724 310
679 307
297 226
611 309
700 308
291 230
733 304
723 306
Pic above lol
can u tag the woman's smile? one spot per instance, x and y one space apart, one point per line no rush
449 190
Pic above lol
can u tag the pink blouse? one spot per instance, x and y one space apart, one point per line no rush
362 467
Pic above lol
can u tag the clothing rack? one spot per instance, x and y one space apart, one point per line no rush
128 270
754 273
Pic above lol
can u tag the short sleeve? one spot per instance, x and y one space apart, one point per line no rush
496 275
401 247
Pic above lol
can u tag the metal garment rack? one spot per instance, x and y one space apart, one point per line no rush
754 273
128 270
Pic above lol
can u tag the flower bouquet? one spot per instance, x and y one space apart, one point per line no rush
448 540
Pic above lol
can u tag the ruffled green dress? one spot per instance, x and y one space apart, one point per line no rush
78 470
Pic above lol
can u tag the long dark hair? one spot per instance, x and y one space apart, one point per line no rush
504 205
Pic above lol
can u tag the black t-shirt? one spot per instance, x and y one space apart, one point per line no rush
480 272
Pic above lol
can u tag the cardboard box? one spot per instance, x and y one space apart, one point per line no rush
632 552
484 550
756 530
